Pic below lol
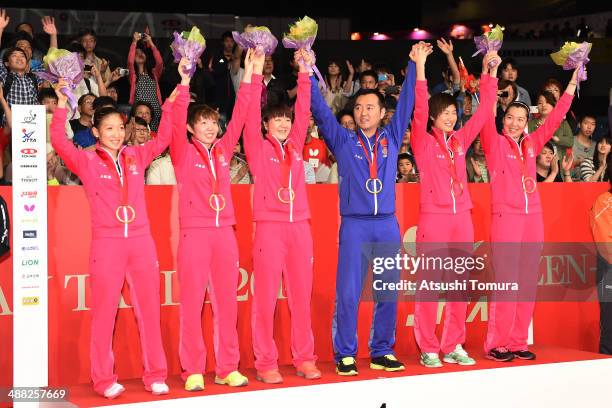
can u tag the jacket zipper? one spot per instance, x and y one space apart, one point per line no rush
212 170
290 177
376 164
451 180
121 175
523 175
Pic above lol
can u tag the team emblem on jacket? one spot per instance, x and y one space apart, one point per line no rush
131 165
384 144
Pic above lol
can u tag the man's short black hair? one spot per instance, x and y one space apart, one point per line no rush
588 115
45 93
10 52
227 34
103 101
370 73
363 92
82 98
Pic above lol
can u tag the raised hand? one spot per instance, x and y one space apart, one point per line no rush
258 62
445 47
568 162
304 59
136 37
476 168
183 70
350 68
48 24
488 60
61 97
4 19
420 52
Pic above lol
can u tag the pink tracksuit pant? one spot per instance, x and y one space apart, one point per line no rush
437 233
208 259
111 262
282 248
516 246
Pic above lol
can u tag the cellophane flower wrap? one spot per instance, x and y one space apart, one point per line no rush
302 35
491 41
257 38
573 55
64 64
188 44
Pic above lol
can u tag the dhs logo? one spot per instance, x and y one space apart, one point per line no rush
27 137
29 119
29 194
29 153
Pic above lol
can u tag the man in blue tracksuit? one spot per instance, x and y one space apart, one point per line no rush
367 168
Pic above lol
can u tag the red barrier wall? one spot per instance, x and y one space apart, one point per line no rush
566 206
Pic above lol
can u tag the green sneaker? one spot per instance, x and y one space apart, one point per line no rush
459 356
431 360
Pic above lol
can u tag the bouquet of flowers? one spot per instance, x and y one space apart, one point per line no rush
573 55
258 38
64 64
491 41
188 44
302 35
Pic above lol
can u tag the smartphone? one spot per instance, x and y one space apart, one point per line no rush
124 72
503 94
88 68
392 90
382 77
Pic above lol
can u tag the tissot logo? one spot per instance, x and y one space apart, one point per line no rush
30 118
30 234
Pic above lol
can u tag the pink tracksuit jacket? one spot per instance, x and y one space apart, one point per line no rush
283 239
517 228
208 251
119 251
444 217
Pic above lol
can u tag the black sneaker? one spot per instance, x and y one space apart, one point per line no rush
500 354
524 355
346 366
387 362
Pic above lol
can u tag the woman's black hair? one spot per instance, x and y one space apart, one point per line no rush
149 62
596 162
103 112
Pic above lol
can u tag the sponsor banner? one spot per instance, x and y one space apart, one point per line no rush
30 317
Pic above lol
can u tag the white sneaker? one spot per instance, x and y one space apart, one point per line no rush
459 356
159 388
114 391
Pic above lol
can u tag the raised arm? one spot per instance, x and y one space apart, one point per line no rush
418 135
401 119
333 133
302 103
253 140
241 108
447 49
153 148
4 21
48 24
159 62
73 157
179 143
545 132
488 94
130 64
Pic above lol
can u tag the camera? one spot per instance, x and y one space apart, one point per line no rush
124 72
503 94
392 90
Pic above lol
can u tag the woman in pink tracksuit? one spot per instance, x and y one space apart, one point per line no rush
208 251
445 200
122 246
283 241
516 222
